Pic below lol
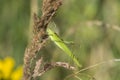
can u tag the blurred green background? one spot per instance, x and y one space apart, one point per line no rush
92 24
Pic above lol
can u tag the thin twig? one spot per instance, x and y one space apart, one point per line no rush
48 66
100 23
93 66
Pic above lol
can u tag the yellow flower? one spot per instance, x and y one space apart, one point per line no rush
7 72
17 74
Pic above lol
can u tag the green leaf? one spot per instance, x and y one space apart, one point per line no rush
60 43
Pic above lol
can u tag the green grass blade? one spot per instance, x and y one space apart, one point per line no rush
56 39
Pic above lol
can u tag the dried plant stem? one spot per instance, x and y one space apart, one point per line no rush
38 71
39 39
30 53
